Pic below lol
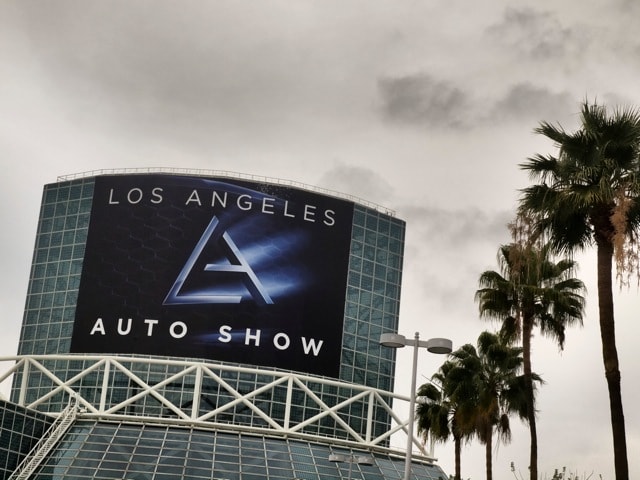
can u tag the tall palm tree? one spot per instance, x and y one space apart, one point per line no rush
590 194
487 386
531 290
437 415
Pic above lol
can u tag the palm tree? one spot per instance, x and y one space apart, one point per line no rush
487 387
437 415
531 290
590 194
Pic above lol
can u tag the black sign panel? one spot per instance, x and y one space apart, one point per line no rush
214 268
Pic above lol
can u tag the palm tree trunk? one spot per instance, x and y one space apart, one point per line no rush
527 333
488 456
457 442
610 356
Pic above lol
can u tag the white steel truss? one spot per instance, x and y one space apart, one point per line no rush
92 388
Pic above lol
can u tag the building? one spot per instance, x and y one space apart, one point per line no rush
192 325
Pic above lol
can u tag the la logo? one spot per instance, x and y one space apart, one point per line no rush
237 266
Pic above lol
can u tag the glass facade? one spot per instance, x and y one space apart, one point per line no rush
56 267
20 430
372 297
149 451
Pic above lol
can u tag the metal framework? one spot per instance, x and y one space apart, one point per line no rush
36 386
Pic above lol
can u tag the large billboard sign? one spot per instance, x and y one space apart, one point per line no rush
214 268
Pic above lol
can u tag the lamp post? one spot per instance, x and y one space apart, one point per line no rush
433 345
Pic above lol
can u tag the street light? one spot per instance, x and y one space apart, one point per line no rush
433 345
359 459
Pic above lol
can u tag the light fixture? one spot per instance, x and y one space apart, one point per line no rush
351 459
434 345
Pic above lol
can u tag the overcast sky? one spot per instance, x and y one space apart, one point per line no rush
425 107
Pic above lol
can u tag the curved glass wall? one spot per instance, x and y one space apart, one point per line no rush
103 450
193 418
371 306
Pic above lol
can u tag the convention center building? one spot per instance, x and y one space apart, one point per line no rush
186 324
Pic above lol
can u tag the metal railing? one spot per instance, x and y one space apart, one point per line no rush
49 439
226 174
113 388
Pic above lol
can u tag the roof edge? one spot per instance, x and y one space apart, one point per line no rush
228 174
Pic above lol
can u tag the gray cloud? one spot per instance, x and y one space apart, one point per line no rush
534 39
422 99
364 183
528 102
156 68
439 238
457 228
538 35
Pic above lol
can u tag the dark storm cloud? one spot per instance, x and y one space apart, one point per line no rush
422 99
